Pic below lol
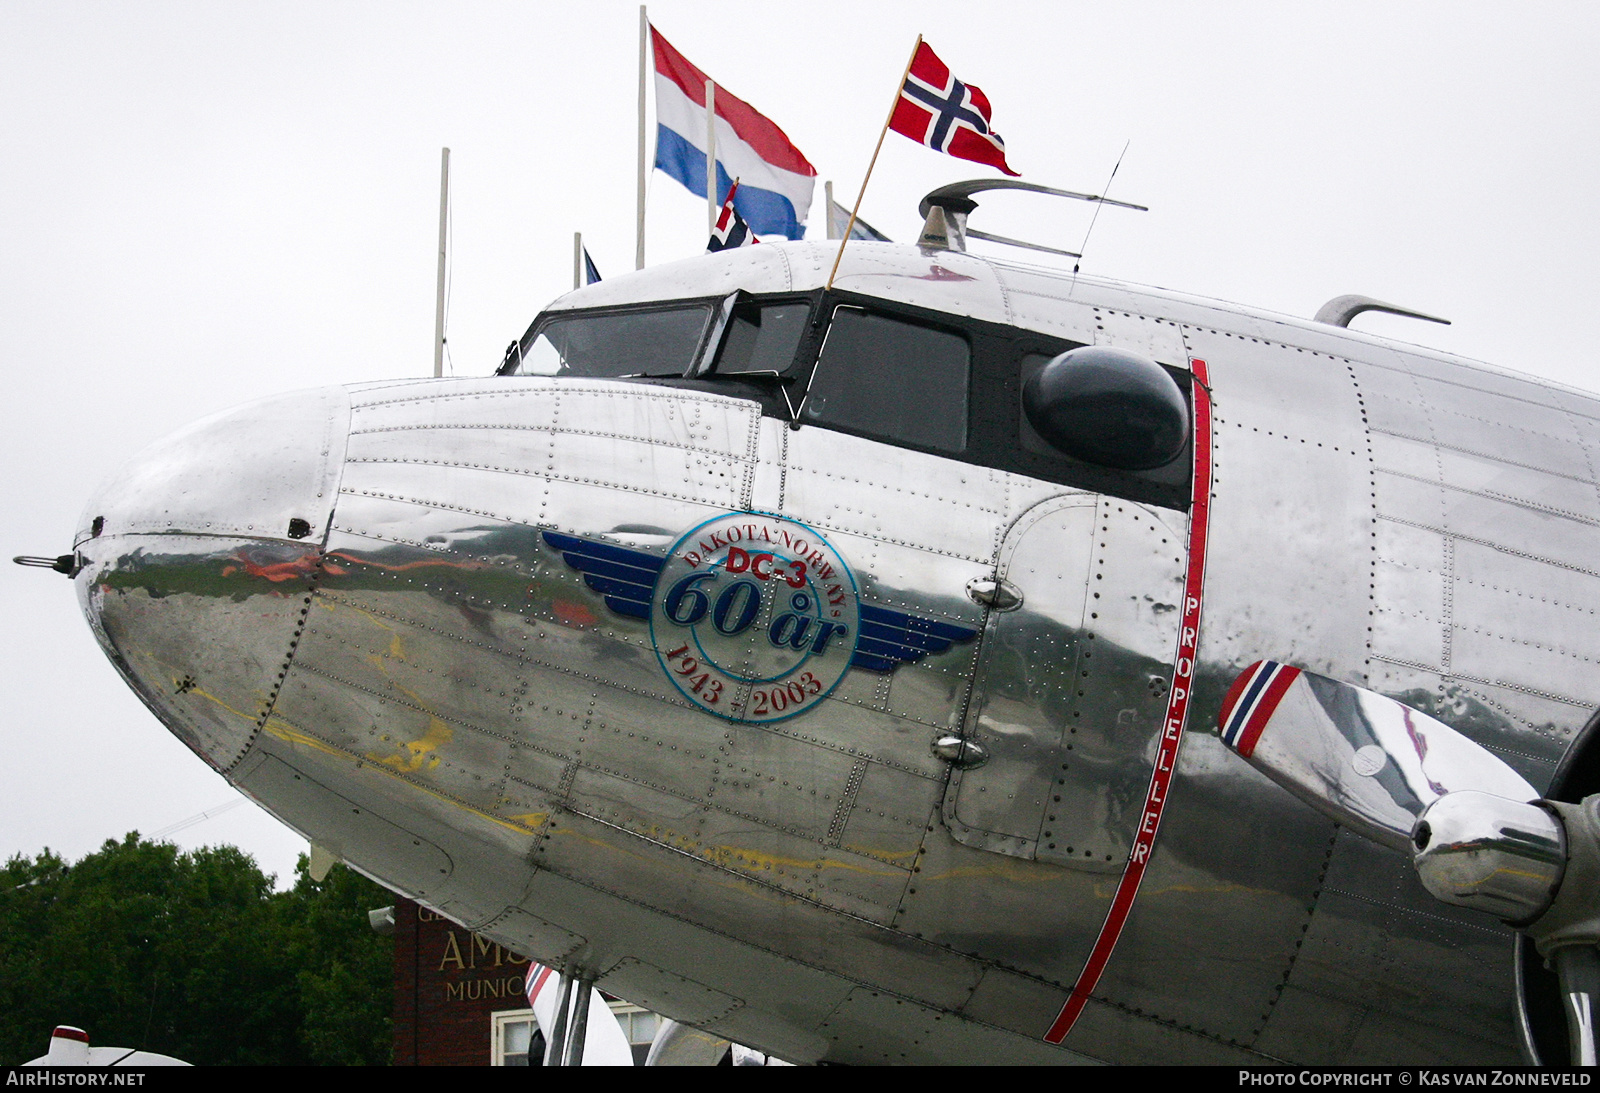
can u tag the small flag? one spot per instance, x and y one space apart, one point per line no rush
840 219
534 982
778 179
731 230
591 273
949 116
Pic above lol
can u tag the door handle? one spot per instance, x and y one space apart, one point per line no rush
994 593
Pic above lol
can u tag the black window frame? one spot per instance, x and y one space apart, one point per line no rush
995 417
1006 422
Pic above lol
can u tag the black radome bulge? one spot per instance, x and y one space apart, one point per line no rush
1108 406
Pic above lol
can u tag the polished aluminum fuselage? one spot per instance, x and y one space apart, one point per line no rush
423 685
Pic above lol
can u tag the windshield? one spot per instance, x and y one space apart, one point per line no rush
658 342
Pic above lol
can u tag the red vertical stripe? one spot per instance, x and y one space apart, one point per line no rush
1172 732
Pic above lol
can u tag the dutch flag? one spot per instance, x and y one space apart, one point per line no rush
775 193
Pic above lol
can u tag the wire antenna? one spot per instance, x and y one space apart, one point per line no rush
198 817
1106 191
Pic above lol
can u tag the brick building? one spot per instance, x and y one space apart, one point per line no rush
458 998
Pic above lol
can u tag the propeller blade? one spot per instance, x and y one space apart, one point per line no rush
1479 834
1356 756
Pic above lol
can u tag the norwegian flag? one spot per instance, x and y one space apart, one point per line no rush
947 115
731 230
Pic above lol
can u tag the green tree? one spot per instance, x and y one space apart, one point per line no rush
192 954
346 976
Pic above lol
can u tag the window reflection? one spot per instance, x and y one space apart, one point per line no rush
763 338
658 342
894 379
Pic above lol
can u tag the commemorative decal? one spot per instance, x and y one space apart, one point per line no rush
753 617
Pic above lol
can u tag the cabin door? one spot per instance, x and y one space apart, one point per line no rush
1071 686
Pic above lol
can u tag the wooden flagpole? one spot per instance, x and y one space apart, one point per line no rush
898 88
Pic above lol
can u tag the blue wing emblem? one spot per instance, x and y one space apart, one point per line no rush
891 638
626 578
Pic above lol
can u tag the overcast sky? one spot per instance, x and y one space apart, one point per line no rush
207 203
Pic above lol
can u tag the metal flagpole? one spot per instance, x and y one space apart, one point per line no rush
644 55
438 306
711 155
577 259
827 191
881 134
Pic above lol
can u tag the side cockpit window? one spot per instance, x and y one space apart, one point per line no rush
762 338
886 377
662 341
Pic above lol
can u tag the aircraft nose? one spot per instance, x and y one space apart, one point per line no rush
201 554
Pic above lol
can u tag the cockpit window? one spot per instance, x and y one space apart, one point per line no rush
887 371
657 342
894 379
762 338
